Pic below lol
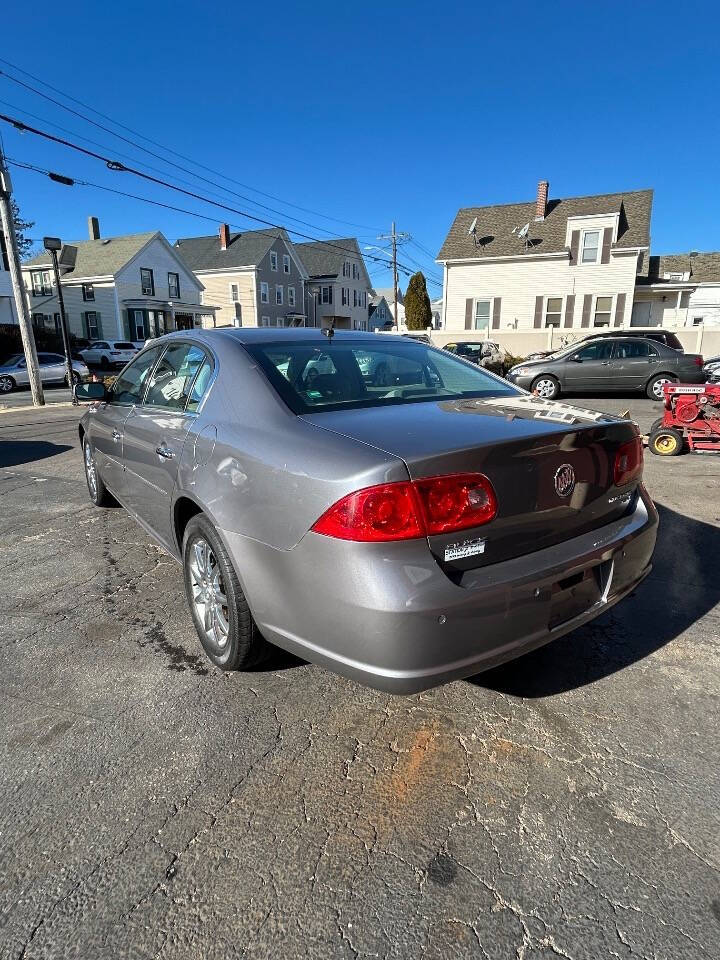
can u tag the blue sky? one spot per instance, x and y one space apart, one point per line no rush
372 112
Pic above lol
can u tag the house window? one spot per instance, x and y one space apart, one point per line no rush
88 292
346 268
38 320
174 286
264 321
91 319
286 263
482 314
590 246
41 286
697 321
264 293
278 294
553 311
138 320
356 271
291 296
355 298
147 282
57 322
3 253
273 261
326 295
603 308
234 292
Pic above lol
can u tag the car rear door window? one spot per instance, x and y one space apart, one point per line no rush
129 387
172 379
635 350
123 345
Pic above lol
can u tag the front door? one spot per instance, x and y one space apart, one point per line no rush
107 425
183 321
641 314
153 438
591 367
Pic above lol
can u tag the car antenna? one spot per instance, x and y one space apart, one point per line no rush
329 331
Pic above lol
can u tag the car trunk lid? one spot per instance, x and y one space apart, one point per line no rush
524 445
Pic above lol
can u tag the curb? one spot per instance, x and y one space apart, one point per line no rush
31 406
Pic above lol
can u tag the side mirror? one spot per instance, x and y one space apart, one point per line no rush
577 358
91 391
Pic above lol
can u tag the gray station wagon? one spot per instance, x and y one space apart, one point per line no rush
403 533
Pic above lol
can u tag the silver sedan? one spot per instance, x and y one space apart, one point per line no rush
402 533
14 373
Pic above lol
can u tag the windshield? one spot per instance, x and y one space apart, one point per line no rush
343 374
11 361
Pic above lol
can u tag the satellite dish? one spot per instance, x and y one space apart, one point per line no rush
524 232
473 227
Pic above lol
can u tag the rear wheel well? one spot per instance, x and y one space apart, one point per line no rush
185 510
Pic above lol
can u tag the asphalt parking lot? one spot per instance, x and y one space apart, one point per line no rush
564 805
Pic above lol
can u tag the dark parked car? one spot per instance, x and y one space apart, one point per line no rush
403 534
666 337
485 353
607 364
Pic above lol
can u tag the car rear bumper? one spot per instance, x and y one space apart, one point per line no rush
388 616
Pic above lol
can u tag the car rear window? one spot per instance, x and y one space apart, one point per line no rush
344 374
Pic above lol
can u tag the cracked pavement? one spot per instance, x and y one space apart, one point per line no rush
564 805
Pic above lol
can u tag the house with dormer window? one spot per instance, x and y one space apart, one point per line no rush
572 263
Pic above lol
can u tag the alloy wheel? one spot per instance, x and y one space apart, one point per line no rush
658 387
545 389
90 470
208 593
6 385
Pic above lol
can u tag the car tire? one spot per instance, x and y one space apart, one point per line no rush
7 384
546 386
666 442
104 363
99 493
227 631
654 387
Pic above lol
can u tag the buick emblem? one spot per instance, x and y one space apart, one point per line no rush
564 480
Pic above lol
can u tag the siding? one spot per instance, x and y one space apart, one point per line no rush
217 293
75 307
519 282
161 261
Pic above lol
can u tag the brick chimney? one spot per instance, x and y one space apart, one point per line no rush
93 228
224 236
542 198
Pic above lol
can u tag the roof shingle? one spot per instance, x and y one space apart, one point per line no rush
98 258
702 267
495 225
244 250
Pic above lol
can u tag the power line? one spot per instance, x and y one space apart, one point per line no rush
166 149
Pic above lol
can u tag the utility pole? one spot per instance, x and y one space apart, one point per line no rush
394 238
52 245
26 331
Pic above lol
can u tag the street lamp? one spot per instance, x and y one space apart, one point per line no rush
52 245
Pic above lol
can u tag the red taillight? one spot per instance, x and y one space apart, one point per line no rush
385 512
456 502
408 510
698 361
628 462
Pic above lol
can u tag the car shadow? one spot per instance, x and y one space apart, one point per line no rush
15 452
682 588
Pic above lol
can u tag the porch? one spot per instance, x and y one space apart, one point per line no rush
661 305
146 318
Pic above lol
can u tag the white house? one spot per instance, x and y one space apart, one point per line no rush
379 314
570 262
8 311
130 287
256 277
681 289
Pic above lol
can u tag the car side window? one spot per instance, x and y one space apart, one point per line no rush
602 350
130 385
173 377
199 387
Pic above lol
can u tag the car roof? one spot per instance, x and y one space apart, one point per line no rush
638 334
268 334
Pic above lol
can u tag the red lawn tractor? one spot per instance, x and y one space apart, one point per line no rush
692 415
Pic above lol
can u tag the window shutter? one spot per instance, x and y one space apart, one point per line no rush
496 313
607 241
468 313
569 309
574 247
587 306
620 309
538 311
99 325
85 326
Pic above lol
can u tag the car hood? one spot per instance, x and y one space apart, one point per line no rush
412 430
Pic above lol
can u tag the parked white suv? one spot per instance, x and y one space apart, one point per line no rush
109 353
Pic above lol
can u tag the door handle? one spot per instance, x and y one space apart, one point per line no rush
164 451
116 435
